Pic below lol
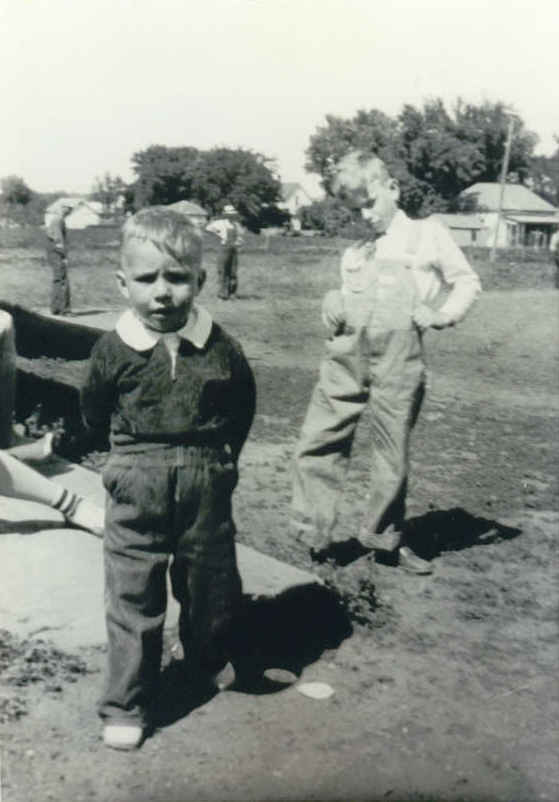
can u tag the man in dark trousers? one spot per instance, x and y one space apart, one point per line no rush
229 231
55 226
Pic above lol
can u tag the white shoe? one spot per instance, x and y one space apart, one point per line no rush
89 516
412 563
123 736
81 512
40 450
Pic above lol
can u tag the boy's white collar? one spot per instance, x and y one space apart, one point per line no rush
132 331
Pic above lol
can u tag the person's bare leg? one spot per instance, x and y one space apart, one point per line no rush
7 378
20 481
34 451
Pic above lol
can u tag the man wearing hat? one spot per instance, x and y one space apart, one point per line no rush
55 227
229 231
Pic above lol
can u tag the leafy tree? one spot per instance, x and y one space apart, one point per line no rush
486 126
212 178
440 160
544 175
371 131
432 152
164 175
241 177
15 190
108 190
331 217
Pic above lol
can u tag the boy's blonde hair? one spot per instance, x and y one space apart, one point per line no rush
356 170
170 232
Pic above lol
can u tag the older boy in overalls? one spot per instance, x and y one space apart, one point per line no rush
375 355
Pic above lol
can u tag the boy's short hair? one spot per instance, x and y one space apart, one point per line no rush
356 169
168 230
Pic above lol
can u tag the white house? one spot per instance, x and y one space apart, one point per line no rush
84 214
526 219
467 229
294 196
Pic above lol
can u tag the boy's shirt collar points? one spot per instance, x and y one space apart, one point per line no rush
196 330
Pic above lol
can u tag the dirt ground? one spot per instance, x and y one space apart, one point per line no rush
445 687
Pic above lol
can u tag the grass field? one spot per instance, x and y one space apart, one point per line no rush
453 674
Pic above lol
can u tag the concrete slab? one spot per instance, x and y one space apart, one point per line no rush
51 577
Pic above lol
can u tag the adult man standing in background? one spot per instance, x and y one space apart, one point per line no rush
229 231
55 226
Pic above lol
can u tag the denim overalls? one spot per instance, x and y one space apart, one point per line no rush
376 358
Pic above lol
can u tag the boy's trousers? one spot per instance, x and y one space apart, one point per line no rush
170 501
60 288
369 364
227 268
7 377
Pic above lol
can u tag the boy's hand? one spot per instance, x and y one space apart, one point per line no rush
426 318
333 313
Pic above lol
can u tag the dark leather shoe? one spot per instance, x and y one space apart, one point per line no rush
411 563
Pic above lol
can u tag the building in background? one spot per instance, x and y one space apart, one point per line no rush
467 229
85 213
294 196
527 221
191 210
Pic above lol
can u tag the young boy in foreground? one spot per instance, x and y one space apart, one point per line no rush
390 288
178 396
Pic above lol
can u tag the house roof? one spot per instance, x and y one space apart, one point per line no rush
516 198
552 219
467 221
56 206
290 188
94 207
188 208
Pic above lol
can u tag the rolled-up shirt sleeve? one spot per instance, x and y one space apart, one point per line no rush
458 275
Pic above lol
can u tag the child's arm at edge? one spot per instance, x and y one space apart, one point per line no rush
97 394
243 402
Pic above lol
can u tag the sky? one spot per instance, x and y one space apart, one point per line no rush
84 84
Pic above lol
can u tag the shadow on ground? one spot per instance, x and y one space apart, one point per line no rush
27 527
288 631
456 529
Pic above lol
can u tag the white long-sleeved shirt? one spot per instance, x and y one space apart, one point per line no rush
55 228
433 256
228 231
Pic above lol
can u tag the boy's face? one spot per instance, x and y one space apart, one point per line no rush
380 203
376 199
160 289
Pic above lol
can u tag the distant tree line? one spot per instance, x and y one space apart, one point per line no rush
433 152
212 178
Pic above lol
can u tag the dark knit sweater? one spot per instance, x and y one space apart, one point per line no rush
133 394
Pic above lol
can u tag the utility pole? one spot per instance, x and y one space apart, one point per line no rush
504 173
